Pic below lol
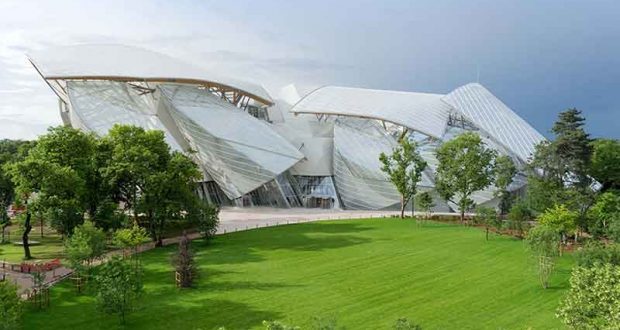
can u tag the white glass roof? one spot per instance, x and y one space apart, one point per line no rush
238 151
422 112
491 115
111 61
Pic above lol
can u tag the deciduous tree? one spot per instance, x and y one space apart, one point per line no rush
404 168
465 166
505 170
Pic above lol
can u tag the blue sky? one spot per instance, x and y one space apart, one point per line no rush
539 57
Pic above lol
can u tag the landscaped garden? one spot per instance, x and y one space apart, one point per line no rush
365 274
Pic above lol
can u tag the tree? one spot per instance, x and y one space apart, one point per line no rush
10 151
519 217
560 219
424 201
11 309
87 244
593 301
605 165
135 155
465 166
118 288
404 168
184 264
544 242
169 195
488 217
208 219
148 179
559 171
131 238
505 170
604 214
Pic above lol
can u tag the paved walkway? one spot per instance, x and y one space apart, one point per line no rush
231 220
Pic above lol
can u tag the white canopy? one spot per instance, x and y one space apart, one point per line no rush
422 112
491 115
120 62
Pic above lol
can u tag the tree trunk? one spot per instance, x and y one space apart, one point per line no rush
402 207
27 229
462 216
487 233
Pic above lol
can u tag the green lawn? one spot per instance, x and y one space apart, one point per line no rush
50 246
366 273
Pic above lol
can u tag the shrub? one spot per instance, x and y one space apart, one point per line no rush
424 201
325 323
544 242
118 287
404 324
275 325
10 306
208 220
488 217
593 301
559 218
595 252
518 217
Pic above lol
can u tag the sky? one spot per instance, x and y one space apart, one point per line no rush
539 57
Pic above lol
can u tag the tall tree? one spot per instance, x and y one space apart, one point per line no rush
605 166
150 180
135 156
559 170
465 166
505 170
573 147
404 168
10 151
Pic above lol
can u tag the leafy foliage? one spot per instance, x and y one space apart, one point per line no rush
85 245
275 325
404 168
118 288
11 308
559 171
519 216
559 218
544 242
208 219
605 167
465 166
149 179
487 217
596 252
604 215
404 324
505 170
424 201
593 301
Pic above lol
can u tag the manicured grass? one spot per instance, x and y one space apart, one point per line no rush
50 246
365 273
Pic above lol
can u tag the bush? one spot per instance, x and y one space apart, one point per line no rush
518 217
593 301
208 219
118 287
404 324
424 201
10 306
559 218
595 252
275 325
325 323
544 242
488 217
